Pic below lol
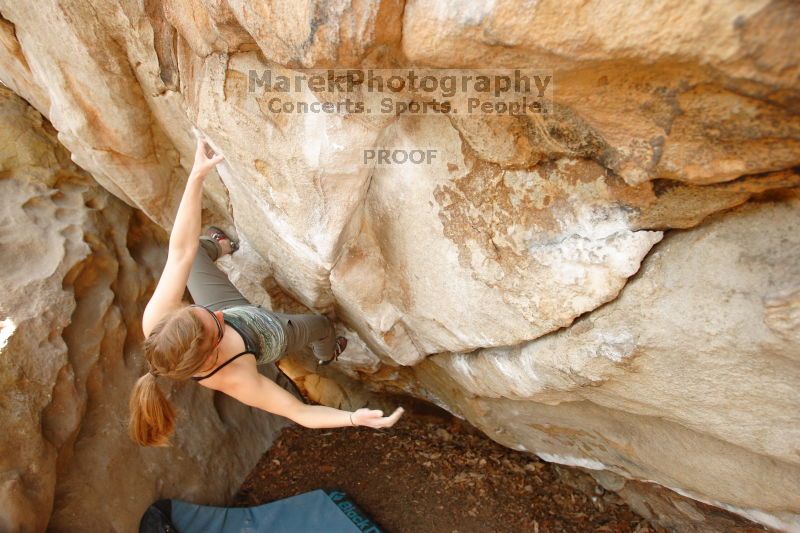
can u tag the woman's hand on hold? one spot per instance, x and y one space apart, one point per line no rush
374 418
203 163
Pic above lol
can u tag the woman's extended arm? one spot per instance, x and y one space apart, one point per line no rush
186 230
252 388
183 243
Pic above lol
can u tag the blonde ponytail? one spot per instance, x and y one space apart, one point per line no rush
152 416
173 350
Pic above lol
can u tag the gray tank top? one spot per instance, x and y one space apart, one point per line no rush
261 331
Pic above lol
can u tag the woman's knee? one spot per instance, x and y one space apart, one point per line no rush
325 326
208 247
318 326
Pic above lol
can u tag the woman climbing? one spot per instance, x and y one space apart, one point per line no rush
220 339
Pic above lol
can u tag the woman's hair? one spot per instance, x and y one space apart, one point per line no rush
174 349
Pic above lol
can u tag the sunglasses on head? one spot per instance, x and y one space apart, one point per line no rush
219 326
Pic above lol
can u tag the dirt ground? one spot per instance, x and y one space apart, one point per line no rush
434 473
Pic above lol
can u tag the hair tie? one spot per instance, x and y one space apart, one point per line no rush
153 373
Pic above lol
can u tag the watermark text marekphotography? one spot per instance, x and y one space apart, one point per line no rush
403 91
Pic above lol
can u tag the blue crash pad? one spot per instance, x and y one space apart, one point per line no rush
330 511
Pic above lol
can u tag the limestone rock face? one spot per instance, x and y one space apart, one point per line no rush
701 86
611 284
688 336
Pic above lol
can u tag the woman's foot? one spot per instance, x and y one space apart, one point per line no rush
225 245
341 344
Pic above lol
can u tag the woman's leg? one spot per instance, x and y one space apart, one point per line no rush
207 284
314 330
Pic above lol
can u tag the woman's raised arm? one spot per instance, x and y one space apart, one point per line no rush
183 242
186 230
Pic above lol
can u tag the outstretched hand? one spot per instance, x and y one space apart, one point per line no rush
374 418
203 162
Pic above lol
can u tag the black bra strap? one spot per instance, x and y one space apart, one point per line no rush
220 367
